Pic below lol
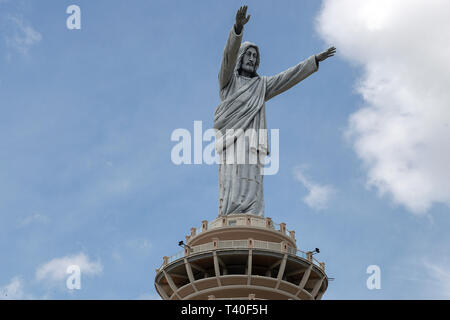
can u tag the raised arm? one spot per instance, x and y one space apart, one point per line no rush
287 79
231 51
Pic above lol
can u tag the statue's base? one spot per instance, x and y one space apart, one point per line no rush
241 257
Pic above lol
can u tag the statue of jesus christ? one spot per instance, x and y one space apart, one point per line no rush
243 94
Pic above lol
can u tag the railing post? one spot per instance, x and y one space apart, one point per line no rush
215 243
204 225
309 256
186 251
224 222
251 296
268 222
292 234
249 221
193 230
165 260
283 228
322 265
251 243
284 246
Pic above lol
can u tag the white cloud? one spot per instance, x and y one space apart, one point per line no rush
319 195
439 279
428 277
13 290
21 36
34 218
402 133
55 271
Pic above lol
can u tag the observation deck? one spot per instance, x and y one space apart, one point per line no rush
241 256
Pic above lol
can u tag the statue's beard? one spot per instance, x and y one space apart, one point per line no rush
249 68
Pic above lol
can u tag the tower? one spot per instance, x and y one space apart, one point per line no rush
241 256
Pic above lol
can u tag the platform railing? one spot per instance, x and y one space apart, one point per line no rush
202 247
241 220
244 244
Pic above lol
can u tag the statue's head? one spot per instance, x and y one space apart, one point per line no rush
249 58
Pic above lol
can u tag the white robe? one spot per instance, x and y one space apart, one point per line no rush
243 107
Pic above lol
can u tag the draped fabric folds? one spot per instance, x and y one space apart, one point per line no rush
242 111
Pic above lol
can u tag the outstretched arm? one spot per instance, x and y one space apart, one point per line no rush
232 46
287 79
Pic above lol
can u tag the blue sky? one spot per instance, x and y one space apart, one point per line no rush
87 115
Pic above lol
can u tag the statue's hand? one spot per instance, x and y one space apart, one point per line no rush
241 20
326 54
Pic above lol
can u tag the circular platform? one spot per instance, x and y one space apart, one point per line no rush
241 261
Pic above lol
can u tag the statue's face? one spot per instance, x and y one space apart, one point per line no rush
249 60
